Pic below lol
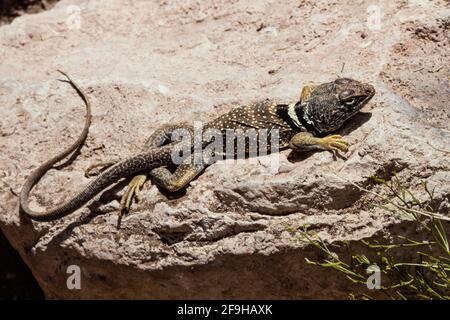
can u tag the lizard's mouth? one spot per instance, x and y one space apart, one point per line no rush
370 92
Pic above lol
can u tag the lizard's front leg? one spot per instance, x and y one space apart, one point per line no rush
306 92
305 141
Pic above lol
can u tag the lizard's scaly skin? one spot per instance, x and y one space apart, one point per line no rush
321 110
138 163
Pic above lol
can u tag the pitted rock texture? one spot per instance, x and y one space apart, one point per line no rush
145 63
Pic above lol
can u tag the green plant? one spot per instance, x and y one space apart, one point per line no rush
425 274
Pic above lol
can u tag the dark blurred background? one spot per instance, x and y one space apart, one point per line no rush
10 9
16 280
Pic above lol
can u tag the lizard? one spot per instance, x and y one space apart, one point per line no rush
304 125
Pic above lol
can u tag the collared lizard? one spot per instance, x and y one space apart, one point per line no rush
302 126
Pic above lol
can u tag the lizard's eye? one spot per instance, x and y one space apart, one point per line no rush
346 95
350 102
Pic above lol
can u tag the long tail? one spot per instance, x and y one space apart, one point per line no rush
138 163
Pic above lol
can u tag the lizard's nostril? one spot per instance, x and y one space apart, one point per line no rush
370 90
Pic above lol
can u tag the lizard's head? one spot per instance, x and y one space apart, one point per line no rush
330 104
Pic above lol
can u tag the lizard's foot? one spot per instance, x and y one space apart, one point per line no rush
305 141
333 143
132 191
97 168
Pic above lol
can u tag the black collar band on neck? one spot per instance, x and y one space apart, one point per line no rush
300 111
283 112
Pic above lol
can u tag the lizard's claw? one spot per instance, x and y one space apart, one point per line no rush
334 143
132 191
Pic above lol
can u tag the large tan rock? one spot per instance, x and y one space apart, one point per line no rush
145 63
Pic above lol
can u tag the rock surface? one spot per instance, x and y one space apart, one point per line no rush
145 63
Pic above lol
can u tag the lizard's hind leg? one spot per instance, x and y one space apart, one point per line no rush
165 135
177 180
190 168
97 168
161 137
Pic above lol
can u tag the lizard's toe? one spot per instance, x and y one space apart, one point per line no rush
132 191
334 143
341 145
